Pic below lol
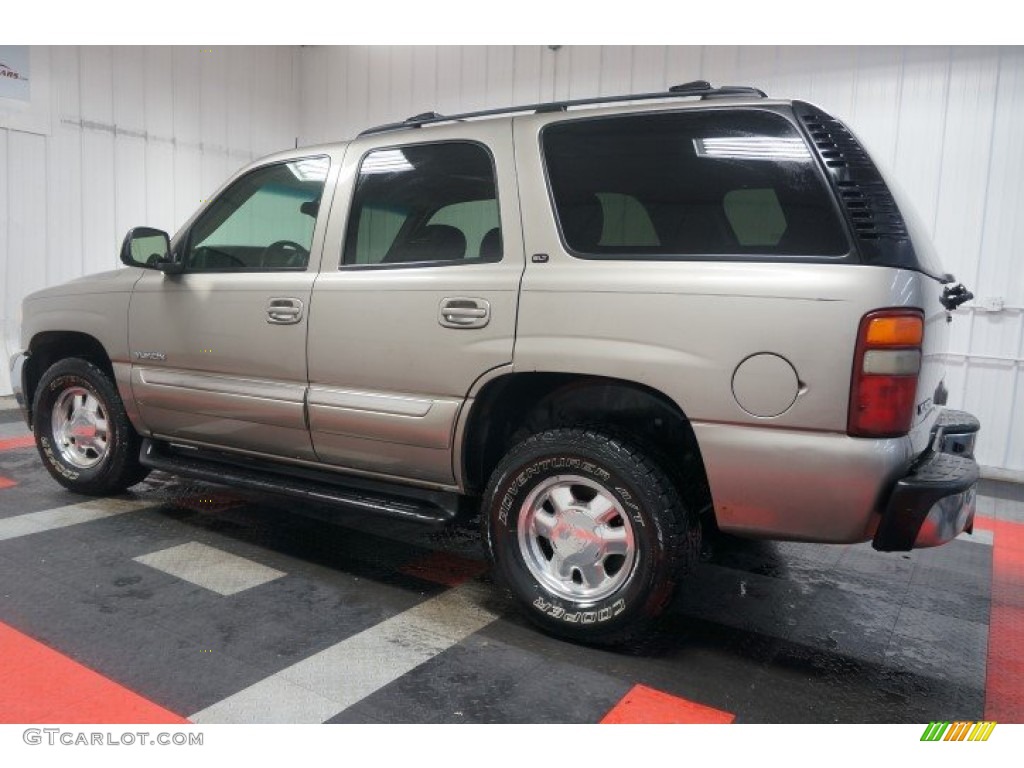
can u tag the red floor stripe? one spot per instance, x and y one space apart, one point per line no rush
6 482
1004 685
39 685
647 705
444 568
14 443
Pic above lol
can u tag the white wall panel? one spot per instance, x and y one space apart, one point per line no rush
99 233
875 116
616 70
424 77
500 74
378 104
322 105
356 85
683 63
581 75
449 81
27 209
648 71
400 91
136 136
966 157
719 63
473 94
945 122
238 103
130 207
527 76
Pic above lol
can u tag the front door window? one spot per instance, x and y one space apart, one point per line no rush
263 222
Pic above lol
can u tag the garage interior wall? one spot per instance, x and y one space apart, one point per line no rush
141 135
126 136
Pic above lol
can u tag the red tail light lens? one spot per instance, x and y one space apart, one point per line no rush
886 366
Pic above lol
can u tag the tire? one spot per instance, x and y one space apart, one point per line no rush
588 533
82 430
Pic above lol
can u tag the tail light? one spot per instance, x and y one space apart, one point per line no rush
885 370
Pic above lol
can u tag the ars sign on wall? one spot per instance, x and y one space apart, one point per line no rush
14 73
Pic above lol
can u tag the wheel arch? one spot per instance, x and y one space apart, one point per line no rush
513 404
48 347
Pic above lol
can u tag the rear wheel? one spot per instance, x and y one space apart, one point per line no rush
82 431
588 533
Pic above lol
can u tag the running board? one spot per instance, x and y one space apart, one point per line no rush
427 507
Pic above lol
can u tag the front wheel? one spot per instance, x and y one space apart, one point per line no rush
82 431
588 533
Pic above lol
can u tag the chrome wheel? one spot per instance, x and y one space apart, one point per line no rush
80 428
576 539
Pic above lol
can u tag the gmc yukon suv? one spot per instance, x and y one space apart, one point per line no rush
603 329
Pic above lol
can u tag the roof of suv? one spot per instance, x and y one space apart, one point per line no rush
687 96
697 88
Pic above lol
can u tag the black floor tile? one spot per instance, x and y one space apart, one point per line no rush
772 632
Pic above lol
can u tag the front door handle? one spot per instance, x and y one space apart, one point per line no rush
464 313
284 311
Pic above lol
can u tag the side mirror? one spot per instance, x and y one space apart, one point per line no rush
150 249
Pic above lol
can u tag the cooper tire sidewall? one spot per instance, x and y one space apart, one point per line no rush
638 596
47 443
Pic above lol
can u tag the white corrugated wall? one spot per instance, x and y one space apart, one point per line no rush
946 121
127 136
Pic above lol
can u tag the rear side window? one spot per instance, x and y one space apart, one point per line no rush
689 185
424 205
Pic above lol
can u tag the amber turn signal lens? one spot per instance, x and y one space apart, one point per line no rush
895 331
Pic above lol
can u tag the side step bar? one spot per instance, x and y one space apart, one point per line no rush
427 507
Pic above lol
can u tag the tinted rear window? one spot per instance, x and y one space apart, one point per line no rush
425 204
690 185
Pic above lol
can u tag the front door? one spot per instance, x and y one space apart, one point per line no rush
417 296
219 352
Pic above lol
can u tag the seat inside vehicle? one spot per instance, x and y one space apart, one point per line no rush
435 242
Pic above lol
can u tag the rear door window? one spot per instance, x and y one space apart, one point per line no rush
425 205
477 220
703 184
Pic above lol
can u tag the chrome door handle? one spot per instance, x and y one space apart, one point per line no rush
464 313
284 311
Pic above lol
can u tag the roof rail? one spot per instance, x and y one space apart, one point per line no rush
701 88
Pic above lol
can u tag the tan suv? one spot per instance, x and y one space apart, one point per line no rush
605 328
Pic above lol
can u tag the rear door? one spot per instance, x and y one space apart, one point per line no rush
417 296
219 352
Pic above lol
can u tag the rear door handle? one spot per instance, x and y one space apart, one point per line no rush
461 312
284 311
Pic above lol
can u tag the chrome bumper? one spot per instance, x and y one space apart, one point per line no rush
18 362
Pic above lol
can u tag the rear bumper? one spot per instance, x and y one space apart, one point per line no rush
826 487
934 502
18 363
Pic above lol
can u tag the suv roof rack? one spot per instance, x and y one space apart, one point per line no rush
701 88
